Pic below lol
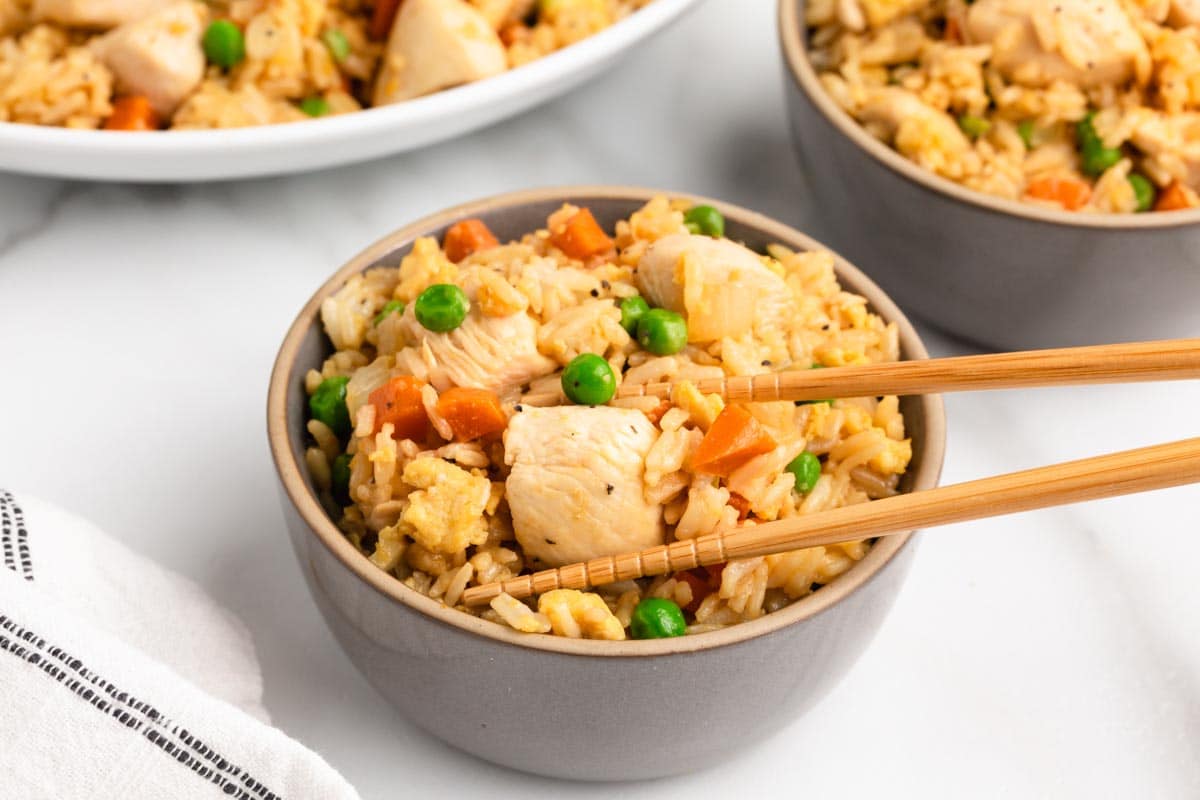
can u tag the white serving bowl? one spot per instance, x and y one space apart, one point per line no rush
172 156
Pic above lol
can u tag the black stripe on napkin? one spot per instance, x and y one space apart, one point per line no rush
137 715
14 537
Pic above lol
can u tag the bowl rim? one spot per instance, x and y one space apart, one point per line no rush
794 43
289 468
427 109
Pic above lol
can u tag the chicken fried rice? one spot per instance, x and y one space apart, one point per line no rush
149 64
433 467
1087 105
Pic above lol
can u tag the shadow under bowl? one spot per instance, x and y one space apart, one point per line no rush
578 709
998 272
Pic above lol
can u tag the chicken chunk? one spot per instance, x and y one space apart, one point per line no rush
723 288
576 489
436 44
496 353
1084 42
888 108
919 131
158 56
102 14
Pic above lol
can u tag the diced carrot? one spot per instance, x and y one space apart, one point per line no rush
656 414
382 18
703 582
1069 193
466 237
734 438
582 237
132 113
699 586
399 402
1173 198
513 32
741 504
471 413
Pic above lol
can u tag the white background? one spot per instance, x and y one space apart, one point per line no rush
1051 654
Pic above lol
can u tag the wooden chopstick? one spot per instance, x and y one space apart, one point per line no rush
1170 359
1141 470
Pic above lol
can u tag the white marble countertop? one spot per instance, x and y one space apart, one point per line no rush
1051 654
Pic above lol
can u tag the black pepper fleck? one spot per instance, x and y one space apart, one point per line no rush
608 488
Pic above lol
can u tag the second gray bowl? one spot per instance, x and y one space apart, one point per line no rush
998 272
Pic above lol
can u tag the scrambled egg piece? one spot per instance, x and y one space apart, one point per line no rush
497 297
423 267
702 410
831 356
389 548
894 454
446 514
894 460
857 420
580 615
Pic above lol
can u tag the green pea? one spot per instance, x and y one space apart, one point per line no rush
1026 130
328 404
632 311
1094 157
224 44
391 307
589 380
807 470
315 106
341 479
974 126
706 220
657 618
338 44
442 307
1097 160
662 332
1144 191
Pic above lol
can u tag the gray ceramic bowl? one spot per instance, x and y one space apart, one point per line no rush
571 708
999 272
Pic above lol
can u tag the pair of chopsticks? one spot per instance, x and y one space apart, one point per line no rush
1141 470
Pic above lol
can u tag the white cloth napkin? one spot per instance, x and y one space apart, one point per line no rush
120 679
